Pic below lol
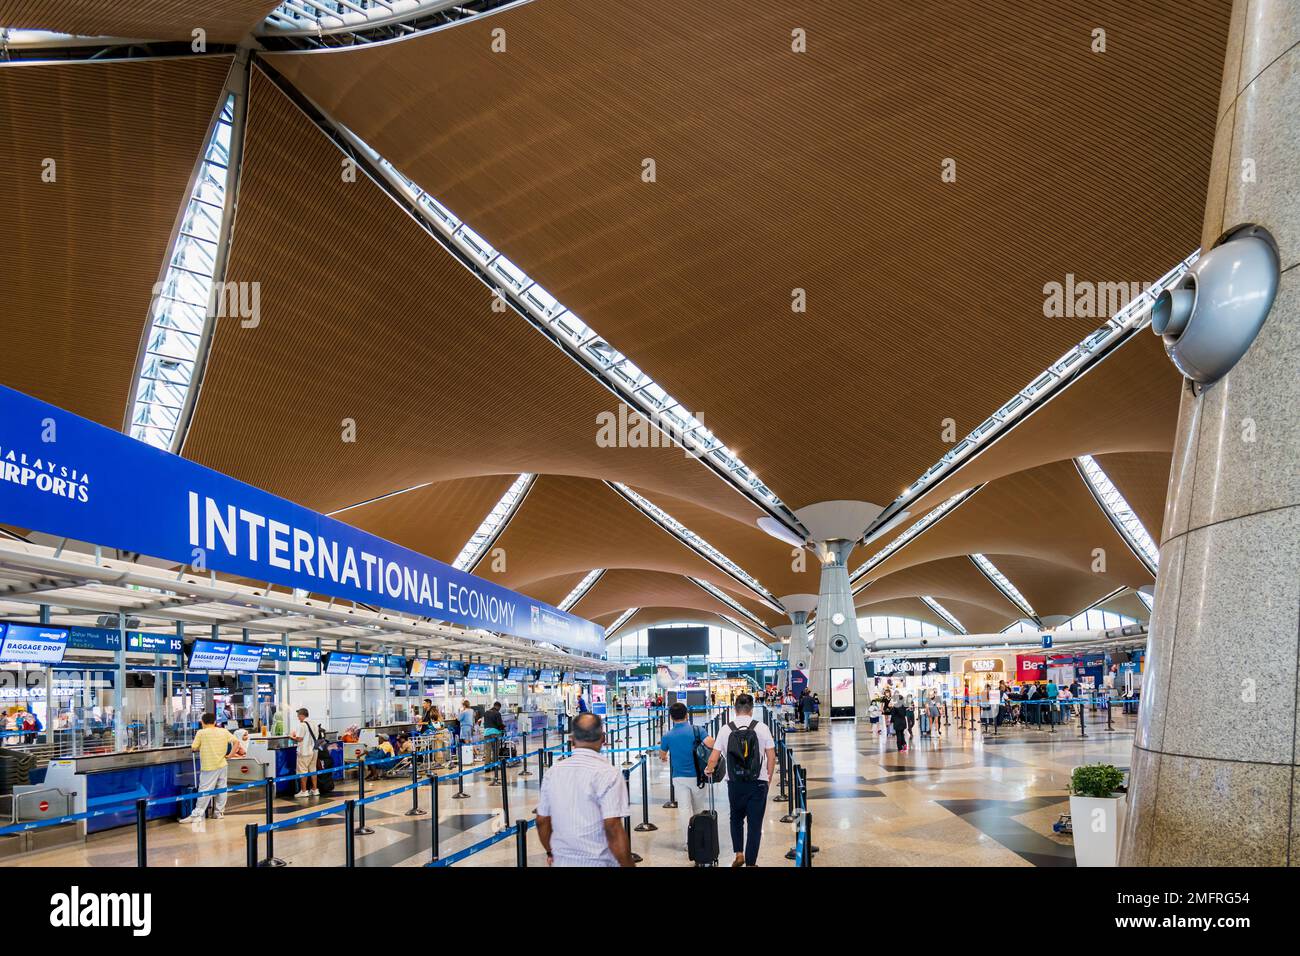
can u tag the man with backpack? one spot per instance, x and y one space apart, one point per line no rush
747 747
686 749
306 738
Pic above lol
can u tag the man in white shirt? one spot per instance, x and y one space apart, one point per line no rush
583 803
306 738
750 759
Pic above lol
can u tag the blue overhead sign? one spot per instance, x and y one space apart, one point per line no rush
70 477
32 643
1047 640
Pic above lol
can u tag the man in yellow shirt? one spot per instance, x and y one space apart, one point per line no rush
213 745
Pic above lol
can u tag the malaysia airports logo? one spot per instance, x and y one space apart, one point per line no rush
46 474
536 618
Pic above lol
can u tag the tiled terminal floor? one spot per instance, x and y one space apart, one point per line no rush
963 799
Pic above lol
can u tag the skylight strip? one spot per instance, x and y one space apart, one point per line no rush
622 619
944 613
732 603
579 592
929 519
637 389
362 21
1004 585
482 539
155 415
1134 316
692 539
1120 513
1146 599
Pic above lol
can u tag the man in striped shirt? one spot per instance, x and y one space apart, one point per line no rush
583 803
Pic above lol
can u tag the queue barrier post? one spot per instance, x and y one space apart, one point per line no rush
645 825
141 841
781 797
1110 722
789 797
250 841
350 832
672 792
806 859
521 843
460 793
433 817
525 772
268 799
627 820
505 787
362 829
415 810
1082 719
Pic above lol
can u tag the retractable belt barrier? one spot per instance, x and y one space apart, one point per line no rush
518 831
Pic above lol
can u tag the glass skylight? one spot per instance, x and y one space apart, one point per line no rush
692 539
487 532
622 619
1135 315
732 603
930 518
944 613
1003 584
637 389
182 303
1146 599
583 587
317 17
1119 512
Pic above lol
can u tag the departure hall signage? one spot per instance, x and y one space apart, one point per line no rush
32 643
70 477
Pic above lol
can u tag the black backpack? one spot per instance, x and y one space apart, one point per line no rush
744 753
701 752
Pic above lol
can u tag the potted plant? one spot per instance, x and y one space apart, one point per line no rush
1097 804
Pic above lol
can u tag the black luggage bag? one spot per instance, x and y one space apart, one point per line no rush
702 835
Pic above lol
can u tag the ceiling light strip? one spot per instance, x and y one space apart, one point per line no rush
1121 515
693 540
622 619
495 522
927 521
351 22
943 612
181 313
732 603
1003 584
609 366
579 592
1079 358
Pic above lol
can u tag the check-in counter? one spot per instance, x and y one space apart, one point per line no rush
118 779
271 756
392 730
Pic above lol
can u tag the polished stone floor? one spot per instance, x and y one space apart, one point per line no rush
962 799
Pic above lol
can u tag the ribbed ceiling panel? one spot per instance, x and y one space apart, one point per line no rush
948 578
1143 480
621 589
367 321
1052 588
821 171
1128 604
1127 403
223 20
436 520
1045 513
81 254
571 525
770 561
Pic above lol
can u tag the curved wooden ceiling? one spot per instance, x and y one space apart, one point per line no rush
947 579
822 171
1045 513
618 590
366 319
81 253
223 20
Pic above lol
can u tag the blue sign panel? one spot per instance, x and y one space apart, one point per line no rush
32 643
1047 640
93 484
152 643
244 657
209 656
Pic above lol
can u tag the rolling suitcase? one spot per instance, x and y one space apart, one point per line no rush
702 835
814 722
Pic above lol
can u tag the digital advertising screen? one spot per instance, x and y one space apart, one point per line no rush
417 667
670 676
208 655
32 643
677 642
841 687
244 657
338 664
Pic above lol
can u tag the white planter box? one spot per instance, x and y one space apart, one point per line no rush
1098 823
